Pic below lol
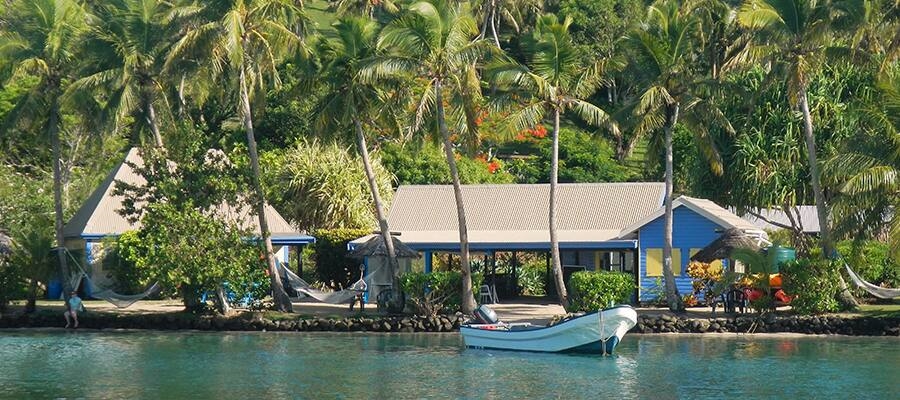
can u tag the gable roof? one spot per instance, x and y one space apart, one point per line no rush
806 215
706 208
99 215
588 212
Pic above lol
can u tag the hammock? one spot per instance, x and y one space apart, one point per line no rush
99 292
875 290
336 297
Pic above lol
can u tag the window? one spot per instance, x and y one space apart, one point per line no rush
655 262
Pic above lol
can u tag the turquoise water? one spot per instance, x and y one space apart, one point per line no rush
82 364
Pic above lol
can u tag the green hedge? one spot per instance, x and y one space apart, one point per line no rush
332 263
590 291
814 282
443 294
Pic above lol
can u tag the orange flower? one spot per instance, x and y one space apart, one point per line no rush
493 166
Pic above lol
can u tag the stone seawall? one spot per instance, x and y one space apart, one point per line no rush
251 321
822 325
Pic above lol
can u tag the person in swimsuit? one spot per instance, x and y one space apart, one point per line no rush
73 306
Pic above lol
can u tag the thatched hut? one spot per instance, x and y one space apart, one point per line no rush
722 247
375 258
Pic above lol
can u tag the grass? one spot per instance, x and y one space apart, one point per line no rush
880 310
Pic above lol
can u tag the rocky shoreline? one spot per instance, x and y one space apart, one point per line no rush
254 321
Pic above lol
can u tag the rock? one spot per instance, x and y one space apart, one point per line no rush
703 325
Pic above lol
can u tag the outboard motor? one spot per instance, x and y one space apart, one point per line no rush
484 315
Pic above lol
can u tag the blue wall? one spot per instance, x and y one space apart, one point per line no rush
689 231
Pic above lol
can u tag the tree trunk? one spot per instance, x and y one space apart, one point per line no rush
31 303
379 213
282 301
53 132
494 23
222 300
468 298
672 296
151 120
845 297
554 240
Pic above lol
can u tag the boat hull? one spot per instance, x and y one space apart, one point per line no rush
594 333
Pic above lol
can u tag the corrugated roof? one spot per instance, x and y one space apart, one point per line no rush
808 218
99 215
518 213
704 207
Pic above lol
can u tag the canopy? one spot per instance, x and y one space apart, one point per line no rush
375 247
723 246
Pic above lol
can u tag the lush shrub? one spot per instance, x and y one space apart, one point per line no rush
814 282
532 278
436 292
582 158
427 165
597 290
332 263
872 261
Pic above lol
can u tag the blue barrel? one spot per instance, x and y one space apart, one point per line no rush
54 289
780 255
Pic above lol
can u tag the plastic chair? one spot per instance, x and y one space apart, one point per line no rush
485 295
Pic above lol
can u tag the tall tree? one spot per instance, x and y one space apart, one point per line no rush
351 103
125 51
516 13
39 40
433 42
664 61
245 40
556 79
794 37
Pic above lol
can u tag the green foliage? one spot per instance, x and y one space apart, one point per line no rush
582 158
814 282
425 164
873 262
126 276
599 290
436 292
195 253
323 186
598 24
332 264
532 278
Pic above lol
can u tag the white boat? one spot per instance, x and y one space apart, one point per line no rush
596 332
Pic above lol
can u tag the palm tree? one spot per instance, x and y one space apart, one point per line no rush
351 101
38 40
556 79
794 37
664 61
433 41
125 51
513 12
245 40
868 172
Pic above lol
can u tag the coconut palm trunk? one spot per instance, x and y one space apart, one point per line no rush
151 120
672 297
397 299
846 298
554 239
53 132
282 301
468 298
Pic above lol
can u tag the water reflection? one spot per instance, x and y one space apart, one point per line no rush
244 365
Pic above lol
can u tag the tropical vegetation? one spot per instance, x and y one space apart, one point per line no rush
756 104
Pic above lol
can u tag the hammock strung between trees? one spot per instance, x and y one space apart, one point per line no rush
337 297
875 290
99 292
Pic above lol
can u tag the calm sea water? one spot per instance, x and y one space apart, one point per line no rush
326 365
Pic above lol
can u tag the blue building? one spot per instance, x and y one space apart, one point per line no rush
601 226
99 219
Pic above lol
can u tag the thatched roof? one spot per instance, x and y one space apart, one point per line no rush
375 247
5 244
723 246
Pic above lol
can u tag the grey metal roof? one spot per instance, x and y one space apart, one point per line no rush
704 207
808 218
519 213
99 215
